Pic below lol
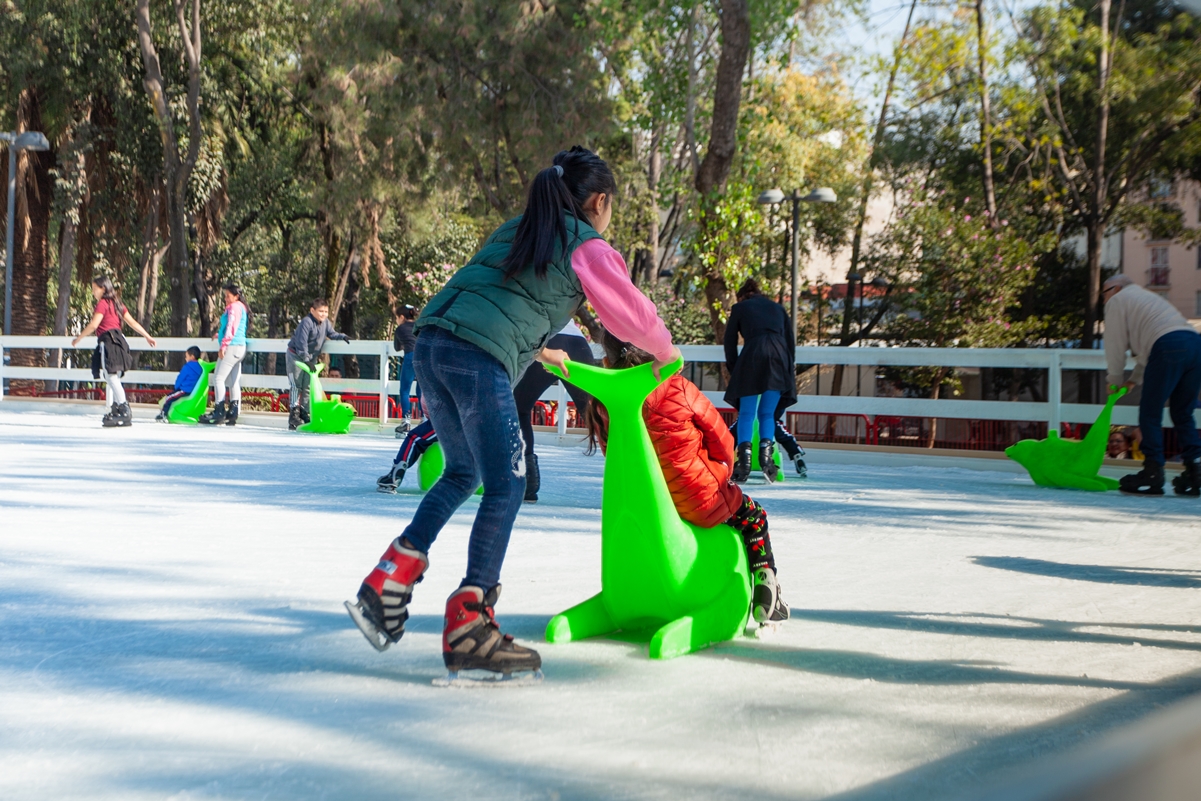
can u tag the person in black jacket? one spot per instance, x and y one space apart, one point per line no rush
404 340
305 346
762 376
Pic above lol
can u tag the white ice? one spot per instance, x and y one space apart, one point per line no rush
171 627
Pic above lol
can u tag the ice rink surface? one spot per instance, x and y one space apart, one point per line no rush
170 609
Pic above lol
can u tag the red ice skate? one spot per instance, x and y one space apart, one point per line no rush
472 641
383 604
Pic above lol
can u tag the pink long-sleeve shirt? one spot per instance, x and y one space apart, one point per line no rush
622 309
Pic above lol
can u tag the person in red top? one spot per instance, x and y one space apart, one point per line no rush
111 358
696 453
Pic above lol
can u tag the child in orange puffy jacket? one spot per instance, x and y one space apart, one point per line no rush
696 453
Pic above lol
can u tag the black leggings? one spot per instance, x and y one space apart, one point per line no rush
537 380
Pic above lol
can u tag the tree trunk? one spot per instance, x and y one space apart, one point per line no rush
990 194
1095 225
865 192
31 240
74 177
177 169
723 141
654 171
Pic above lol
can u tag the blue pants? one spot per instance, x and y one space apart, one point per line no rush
1173 376
470 403
407 374
761 407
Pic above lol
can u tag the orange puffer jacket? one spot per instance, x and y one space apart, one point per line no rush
695 450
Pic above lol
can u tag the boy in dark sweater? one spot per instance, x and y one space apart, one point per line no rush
305 346
185 382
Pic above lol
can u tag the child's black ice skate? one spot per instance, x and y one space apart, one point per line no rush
389 481
801 469
767 460
1188 483
742 467
767 605
403 429
295 421
1148 481
383 603
231 418
474 649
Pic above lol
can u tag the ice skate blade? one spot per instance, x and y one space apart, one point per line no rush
766 631
486 679
385 489
374 636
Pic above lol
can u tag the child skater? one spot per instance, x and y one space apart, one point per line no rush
416 443
696 452
111 357
474 340
228 372
185 382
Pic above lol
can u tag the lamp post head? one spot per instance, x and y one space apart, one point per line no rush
31 140
880 282
821 195
770 197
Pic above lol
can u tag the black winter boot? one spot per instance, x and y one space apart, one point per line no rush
216 416
1189 482
742 467
112 418
232 417
1148 481
304 414
533 478
295 421
767 459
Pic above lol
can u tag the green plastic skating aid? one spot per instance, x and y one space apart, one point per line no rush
187 410
430 467
329 415
663 580
1055 462
755 454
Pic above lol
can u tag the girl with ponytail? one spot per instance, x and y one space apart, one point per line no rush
228 372
475 339
111 358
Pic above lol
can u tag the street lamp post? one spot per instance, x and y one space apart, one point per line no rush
772 197
29 140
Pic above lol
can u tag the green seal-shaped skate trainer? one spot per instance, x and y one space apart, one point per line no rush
430 467
1055 462
663 580
187 410
329 415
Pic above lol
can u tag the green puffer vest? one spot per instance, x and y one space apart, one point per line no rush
513 319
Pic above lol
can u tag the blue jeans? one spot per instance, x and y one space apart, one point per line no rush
761 407
407 374
470 403
1173 376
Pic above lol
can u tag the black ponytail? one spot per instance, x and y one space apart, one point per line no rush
576 175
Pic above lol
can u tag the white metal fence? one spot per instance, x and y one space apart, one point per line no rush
1053 411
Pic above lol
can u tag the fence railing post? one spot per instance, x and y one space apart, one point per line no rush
384 364
1054 392
561 412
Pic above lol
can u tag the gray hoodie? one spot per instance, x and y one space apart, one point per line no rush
310 337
